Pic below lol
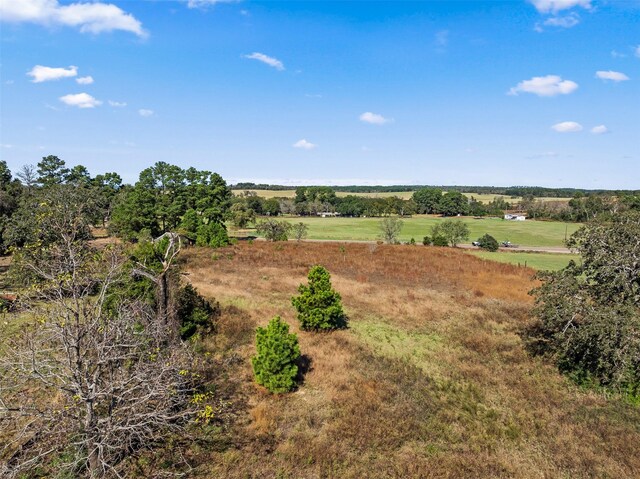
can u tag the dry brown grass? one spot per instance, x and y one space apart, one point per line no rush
431 379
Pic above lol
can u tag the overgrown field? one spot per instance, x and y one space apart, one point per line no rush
525 233
405 195
430 380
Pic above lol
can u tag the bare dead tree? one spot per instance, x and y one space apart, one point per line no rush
89 381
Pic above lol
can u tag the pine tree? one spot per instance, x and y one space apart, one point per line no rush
274 365
319 306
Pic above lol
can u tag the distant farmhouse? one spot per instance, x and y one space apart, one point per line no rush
515 217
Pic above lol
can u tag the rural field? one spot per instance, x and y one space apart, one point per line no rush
537 261
431 379
524 233
405 195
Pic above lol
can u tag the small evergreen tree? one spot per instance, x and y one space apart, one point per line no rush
426 240
274 365
319 306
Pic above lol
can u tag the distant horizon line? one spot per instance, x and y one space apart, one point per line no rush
292 184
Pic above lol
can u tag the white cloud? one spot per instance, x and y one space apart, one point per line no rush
442 38
81 100
145 113
261 57
539 156
374 118
207 3
304 144
550 85
117 104
92 17
599 130
88 80
554 6
611 75
567 21
567 127
41 73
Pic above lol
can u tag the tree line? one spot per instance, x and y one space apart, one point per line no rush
512 191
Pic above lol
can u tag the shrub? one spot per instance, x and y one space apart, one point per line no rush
274 365
274 230
426 240
390 229
454 231
488 243
300 231
319 306
194 312
439 240
588 315
412 241
212 234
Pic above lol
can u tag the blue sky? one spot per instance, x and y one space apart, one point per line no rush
526 92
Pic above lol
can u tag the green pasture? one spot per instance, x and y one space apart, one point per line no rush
405 195
524 233
539 261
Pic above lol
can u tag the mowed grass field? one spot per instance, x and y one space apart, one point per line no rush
405 195
524 233
538 261
431 380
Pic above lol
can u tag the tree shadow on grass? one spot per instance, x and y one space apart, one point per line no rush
305 365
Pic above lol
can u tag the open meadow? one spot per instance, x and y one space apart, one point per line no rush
524 233
537 261
431 379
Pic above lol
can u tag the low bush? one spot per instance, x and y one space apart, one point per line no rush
194 312
439 240
488 242
212 234
274 230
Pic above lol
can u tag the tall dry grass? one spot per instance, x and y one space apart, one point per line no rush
431 379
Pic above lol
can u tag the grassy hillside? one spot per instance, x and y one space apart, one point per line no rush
431 379
525 233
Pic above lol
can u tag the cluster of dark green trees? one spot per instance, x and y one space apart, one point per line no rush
319 308
169 198
454 203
